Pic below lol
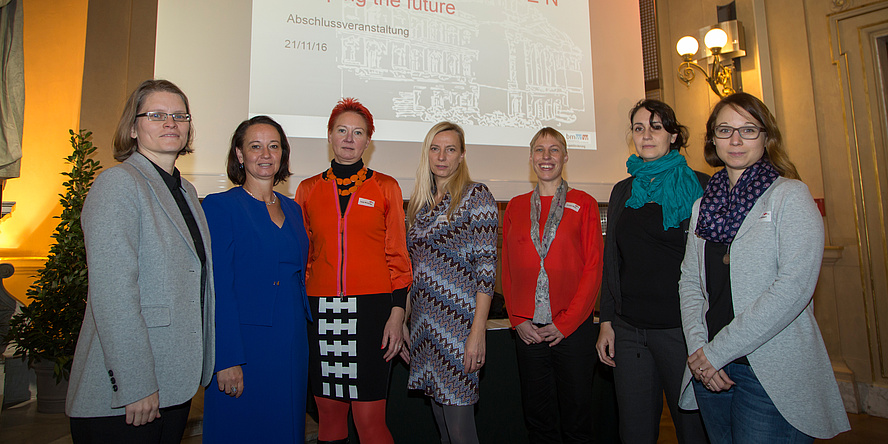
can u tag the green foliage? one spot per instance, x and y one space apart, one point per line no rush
47 329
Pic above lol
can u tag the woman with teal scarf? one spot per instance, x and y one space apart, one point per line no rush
641 334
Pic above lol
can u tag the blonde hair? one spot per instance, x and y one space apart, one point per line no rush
551 132
424 190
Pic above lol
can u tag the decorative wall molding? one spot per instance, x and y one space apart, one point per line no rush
832 254
840 5
7 208
856 39
873 399
25 266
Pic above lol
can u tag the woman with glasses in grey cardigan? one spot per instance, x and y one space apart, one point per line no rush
758 369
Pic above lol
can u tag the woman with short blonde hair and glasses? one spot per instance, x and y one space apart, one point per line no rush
147 339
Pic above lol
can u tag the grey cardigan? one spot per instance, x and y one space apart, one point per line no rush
143 330
775 262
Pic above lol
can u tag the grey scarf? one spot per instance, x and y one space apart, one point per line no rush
542 312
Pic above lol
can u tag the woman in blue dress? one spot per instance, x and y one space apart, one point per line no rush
260 252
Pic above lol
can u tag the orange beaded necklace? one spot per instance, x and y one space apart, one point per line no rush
348 185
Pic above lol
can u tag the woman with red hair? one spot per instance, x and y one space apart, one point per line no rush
357 281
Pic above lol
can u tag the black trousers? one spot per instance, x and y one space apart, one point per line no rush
649 363
556 387
168 429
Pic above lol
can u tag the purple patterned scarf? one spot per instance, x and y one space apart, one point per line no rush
723 209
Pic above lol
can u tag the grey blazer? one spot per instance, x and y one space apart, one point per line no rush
775 262
143 330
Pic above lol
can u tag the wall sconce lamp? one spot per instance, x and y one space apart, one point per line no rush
724 42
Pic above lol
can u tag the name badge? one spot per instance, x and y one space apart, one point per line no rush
366 202
765 217
572 206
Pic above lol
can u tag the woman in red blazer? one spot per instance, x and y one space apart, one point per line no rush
552 251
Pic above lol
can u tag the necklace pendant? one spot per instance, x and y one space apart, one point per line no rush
726 259
273 198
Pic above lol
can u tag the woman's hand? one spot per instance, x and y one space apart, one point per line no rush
476 349
405 350
700 366
143 411
551 334
393 334
605 344
714 379
528 333
720 381
231 381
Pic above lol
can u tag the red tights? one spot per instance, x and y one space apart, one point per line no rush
369 417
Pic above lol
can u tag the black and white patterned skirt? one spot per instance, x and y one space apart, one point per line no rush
345 359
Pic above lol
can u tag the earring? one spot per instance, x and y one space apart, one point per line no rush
242 165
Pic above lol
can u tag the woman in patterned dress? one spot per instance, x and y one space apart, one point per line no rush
451 237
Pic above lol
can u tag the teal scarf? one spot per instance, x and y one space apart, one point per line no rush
667 181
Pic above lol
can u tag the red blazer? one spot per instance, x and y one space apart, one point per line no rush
573 262
362 252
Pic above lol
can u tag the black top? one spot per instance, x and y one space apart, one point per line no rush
174 183
611 294
718 285
651 266
344 172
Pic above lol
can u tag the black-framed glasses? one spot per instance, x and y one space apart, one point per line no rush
746 132
161 117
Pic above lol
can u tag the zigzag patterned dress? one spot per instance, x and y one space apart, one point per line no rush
452 261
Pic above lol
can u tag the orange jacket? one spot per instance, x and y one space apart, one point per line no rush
362 252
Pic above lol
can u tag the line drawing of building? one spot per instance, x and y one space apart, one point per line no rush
526 74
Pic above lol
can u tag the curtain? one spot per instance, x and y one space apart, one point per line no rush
12 88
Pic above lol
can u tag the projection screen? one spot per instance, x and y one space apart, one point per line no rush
502 69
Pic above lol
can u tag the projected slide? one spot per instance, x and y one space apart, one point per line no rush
500 68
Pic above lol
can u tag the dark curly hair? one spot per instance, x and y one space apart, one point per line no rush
667 118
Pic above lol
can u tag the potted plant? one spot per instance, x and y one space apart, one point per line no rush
45 332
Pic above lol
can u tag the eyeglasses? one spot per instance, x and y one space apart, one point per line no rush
746 132
161 117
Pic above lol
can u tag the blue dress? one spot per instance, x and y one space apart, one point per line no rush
261 318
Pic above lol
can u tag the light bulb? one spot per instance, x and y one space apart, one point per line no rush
687 45
715 38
